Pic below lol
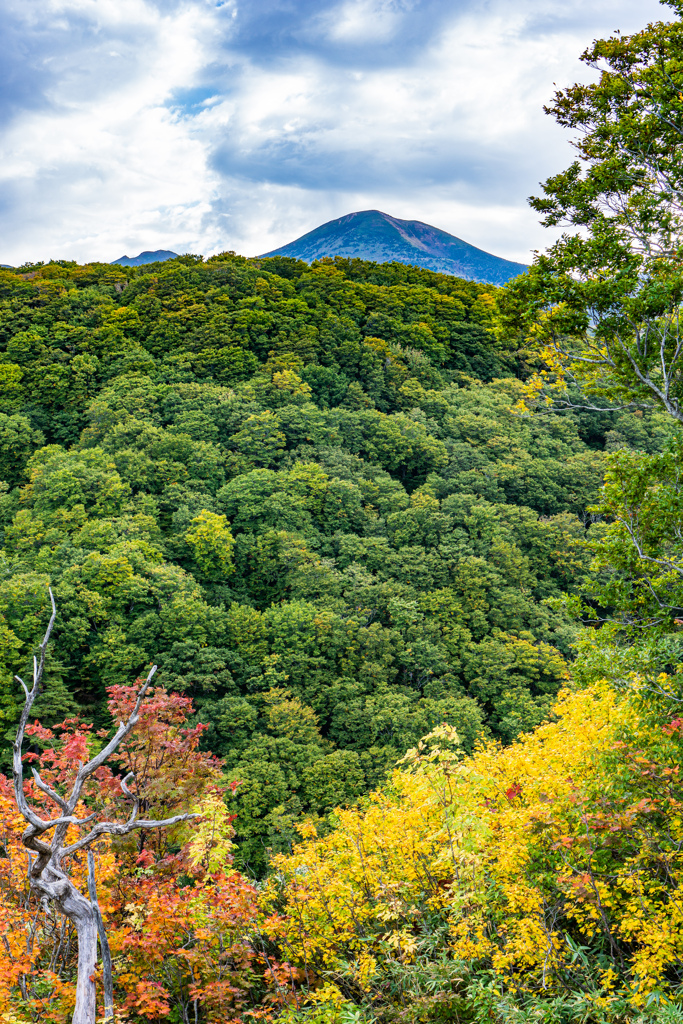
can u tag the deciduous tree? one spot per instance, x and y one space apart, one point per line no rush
604 300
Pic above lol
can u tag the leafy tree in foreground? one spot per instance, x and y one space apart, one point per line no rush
604 300
538 881
604 304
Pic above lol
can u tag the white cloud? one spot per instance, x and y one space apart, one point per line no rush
264 144
106 161
457 137
372 21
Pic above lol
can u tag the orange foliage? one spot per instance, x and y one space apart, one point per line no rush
179 919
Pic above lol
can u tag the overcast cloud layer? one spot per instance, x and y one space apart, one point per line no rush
201 125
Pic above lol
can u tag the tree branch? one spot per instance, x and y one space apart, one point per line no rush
17 763
121 829
60 801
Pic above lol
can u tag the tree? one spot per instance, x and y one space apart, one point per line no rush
604 304
211 542
48 875
179 918
605 299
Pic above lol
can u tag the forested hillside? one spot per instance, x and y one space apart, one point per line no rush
312 495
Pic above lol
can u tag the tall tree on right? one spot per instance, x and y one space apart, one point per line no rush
604 300
604 306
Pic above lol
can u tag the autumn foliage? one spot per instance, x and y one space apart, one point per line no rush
546 870
432 633
177 914
549 869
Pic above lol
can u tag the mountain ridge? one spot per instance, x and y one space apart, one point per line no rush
148 256
379 237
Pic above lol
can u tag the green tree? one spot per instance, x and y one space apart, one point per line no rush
605 298
212 544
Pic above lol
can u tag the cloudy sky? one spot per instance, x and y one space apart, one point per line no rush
204 125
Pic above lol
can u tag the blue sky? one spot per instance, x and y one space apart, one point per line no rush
203 125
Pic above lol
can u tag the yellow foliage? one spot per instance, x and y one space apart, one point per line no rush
212 544
528 854
287 380
211 846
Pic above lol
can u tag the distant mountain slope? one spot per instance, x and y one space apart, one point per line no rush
158 256
372 235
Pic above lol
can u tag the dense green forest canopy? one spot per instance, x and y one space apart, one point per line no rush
311 494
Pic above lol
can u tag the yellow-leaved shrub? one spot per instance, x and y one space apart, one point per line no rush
553 864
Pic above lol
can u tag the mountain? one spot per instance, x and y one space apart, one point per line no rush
158 256
373 235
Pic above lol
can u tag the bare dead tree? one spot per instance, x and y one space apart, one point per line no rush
47 875
107 978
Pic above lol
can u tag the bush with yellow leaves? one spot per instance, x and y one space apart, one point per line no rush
548 870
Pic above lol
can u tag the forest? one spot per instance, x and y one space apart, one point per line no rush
308 498
406 551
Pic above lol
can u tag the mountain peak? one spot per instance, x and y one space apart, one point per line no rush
379 237
157 256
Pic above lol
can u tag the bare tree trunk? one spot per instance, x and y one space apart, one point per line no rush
46 874
85 1011
55 884
105 952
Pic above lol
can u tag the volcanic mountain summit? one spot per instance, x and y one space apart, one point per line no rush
373 235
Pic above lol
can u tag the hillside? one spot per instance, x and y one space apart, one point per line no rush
372 235
406 551
317 499
306 494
